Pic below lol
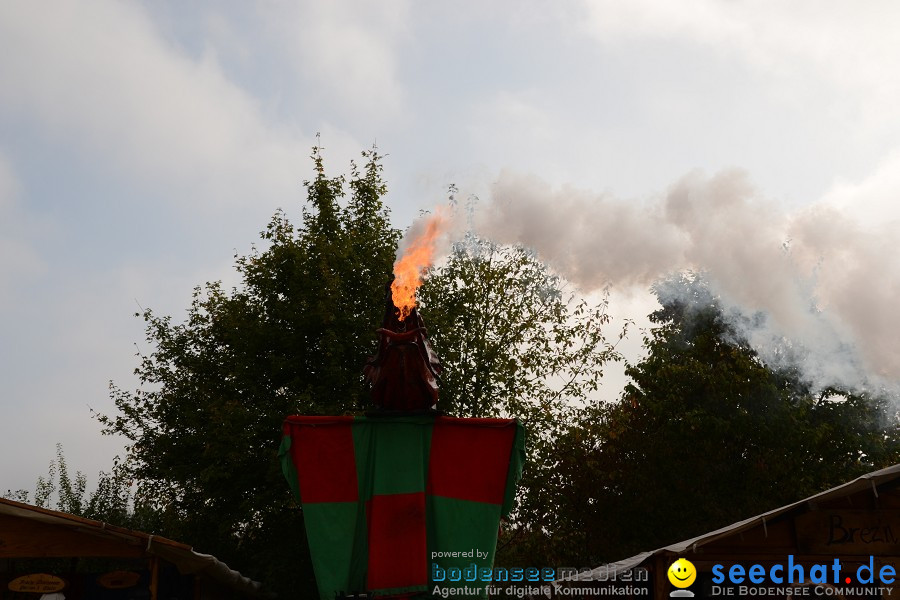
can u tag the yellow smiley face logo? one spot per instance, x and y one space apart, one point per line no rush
682 573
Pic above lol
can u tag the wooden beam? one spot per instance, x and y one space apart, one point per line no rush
25 538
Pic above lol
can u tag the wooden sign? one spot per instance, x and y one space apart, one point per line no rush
119 580
835 532
37 583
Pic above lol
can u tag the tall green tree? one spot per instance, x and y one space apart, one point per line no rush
519 342
704 435
205 424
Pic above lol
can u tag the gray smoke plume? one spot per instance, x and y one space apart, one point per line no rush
821 288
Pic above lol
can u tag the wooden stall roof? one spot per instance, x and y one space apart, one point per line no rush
869 482
103 539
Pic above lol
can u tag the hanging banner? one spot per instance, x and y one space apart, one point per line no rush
391 503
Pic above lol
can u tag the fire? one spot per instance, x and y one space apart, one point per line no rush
409 268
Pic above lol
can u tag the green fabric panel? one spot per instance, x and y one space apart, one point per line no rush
337 532
392 454
461 526
392 457
514 475
287 466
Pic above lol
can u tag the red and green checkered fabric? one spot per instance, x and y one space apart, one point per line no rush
384 498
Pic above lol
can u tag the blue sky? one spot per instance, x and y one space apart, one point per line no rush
142 144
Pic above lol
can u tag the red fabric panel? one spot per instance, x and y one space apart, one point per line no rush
470 458
397 541
322 451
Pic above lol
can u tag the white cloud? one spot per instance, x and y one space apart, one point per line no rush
98 77
850 45
516 126
9 184
872 199
347 56
18 258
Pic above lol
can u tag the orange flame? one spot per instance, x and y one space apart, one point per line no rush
409 268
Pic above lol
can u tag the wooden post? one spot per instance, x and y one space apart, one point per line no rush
661 584
154 577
